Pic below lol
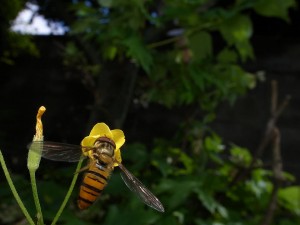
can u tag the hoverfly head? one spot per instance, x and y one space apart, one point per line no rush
105 146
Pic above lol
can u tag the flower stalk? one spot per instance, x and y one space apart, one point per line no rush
68 195
33 162
14 191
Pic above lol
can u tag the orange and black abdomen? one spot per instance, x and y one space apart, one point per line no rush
94 181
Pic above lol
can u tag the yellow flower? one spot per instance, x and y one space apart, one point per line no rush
102 130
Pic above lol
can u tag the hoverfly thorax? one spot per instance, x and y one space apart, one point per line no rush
105 146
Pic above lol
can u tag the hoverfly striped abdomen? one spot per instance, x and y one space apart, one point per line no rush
95 178
94 181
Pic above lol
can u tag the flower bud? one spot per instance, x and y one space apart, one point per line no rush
35 150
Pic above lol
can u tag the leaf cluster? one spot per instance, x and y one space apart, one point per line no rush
187 52
198 185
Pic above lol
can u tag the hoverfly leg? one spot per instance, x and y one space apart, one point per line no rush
83 169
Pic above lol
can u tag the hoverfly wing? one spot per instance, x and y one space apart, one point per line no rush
57 151
138 188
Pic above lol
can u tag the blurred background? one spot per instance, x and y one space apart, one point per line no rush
206 92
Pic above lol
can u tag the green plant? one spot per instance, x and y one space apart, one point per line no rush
34 157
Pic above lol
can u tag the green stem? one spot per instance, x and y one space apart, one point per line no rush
14 191
36 197
163 42
187 34
63 205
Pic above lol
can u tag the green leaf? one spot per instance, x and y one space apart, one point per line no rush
288 177
213 144
201 45
170 160
134 212
210 203
288 222
240 156
209 117
290 198
198 78
188 163
258 188
184 187
237 31
275 8
138 51
105 3
213 147
137 155
227 56
260 174
251 80
110 52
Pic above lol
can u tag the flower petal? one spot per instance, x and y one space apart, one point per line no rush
118 157
102 130
118 138
89 140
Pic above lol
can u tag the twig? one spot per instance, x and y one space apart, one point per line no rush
275 113
274 97
278 178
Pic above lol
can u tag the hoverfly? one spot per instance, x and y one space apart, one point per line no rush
98 170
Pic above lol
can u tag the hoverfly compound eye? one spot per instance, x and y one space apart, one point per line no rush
107 140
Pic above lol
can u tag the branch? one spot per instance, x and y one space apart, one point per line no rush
276 111
278 178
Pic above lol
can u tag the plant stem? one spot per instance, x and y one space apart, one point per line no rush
36 197
33 161
68 195
14 191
